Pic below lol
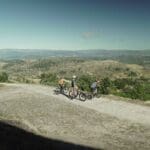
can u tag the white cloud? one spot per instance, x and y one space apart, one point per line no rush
88 35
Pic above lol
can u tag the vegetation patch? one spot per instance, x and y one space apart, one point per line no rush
49 79
126 80
135 88
3 77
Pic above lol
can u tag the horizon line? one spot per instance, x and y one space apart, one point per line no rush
71 49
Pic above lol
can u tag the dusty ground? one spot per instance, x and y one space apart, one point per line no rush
100 123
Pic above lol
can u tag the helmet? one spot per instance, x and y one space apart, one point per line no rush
73 76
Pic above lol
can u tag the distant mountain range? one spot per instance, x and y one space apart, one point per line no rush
130 56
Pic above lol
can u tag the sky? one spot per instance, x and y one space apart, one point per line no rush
75 24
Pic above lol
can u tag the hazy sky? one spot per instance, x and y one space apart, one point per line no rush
75 24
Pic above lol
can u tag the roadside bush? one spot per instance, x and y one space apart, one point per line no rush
122 83
85 81
134 92
48 79
105 86
3 77
133 88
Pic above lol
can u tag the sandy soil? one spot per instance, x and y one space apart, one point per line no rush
102 123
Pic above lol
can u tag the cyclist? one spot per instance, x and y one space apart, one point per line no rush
94 86
73 86
61 84
73 81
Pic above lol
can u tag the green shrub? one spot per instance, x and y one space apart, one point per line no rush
105 86
133 88
84 82
3 77
122 83
49 79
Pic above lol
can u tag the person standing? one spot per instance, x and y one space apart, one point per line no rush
94 86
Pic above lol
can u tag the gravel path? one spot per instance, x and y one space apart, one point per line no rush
102 123
120 109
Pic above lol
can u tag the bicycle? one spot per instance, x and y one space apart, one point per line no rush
86 95
63 91
74 93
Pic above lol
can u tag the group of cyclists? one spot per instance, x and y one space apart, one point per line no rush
74 86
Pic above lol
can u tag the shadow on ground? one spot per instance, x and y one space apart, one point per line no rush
14 138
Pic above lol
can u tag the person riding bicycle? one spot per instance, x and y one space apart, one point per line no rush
94 86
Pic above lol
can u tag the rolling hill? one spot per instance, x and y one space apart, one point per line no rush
127 56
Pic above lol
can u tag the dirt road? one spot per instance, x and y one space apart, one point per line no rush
101 123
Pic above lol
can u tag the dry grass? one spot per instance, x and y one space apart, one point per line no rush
67 67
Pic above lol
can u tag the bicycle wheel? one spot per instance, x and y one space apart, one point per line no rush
98 95
65 91
82 96
90 96
57 91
